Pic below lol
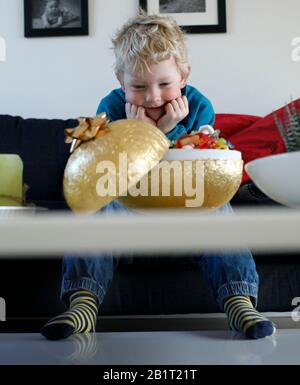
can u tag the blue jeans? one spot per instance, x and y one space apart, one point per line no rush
227 272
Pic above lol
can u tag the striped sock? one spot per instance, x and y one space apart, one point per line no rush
80 318
244 318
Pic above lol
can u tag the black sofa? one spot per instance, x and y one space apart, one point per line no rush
146 286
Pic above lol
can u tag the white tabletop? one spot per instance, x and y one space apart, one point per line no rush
152 348
264 229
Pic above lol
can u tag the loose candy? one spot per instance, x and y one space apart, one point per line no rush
205 138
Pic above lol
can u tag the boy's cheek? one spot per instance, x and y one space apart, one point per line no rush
133 99
172 95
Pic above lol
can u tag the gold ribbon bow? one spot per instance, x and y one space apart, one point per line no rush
88 128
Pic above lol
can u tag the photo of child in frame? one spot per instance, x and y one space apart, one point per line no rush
49 14
178 6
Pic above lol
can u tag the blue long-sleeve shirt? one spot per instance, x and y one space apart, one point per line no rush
200 110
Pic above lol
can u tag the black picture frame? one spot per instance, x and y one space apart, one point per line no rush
33 27
220 27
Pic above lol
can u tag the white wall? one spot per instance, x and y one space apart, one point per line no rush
247 70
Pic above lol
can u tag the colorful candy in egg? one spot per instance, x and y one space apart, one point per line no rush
205 138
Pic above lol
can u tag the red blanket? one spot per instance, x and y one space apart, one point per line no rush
254 136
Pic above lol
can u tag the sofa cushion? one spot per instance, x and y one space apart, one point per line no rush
260 139
40 144
231 124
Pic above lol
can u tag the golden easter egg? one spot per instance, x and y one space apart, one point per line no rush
108 159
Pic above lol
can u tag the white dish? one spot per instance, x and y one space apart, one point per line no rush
278 176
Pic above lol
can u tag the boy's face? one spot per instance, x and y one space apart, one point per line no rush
154 88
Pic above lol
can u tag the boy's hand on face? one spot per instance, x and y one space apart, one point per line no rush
176 110
137 112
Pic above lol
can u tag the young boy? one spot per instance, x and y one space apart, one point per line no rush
152 68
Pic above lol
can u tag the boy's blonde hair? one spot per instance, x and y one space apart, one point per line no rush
149 39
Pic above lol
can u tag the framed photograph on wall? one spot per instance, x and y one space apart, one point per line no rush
193 16
44 18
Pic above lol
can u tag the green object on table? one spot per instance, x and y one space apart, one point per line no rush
11 180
